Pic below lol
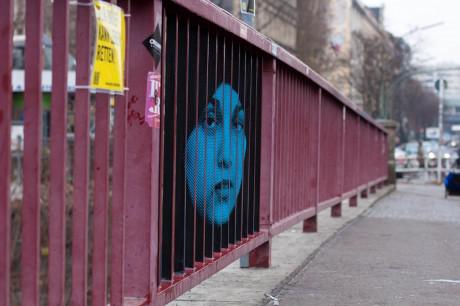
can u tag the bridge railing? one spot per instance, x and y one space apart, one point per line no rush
249 142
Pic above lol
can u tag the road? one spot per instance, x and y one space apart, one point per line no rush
403 251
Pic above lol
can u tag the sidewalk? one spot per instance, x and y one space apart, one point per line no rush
405 250
291 251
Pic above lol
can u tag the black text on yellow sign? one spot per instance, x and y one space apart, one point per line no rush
109 55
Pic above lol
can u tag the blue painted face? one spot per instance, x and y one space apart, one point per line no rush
215 152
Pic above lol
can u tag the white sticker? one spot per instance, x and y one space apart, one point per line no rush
244 31
274 49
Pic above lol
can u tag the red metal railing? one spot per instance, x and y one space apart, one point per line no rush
133 191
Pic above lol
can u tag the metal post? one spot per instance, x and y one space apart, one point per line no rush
440 125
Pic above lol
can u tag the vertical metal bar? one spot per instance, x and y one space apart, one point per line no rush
185 218
238 206
288 173
318 157
81 160
242 78
226 71
283 137
6 48
344 143
30 246
315 117
296 165
164 51
213 46
244 189
285 132
302 150
256 182
58 155
358 136
142 162
298 141
288 104
292 144
305 185
119 180
174 157
309 141
279 125
216 61
277 190
220 64
205 147
101 199
249 153
229 45
155 174
197 89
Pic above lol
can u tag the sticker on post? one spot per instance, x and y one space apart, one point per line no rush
152 103
153 45
109 54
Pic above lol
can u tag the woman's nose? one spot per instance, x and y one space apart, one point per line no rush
224 155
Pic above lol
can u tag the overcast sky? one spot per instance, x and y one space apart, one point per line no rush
440 44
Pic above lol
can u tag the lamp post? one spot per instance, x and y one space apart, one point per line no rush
440 85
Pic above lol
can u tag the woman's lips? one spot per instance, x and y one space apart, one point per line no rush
223 189
223 184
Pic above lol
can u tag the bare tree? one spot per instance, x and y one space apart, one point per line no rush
379 64
418 108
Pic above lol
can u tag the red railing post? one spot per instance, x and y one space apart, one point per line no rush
336 210
6 48
261 256
267 146
30 225
364 193
310 225
142 161
58 155
117 261
353 202
372 189
81 157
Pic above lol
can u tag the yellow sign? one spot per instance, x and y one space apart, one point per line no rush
109 51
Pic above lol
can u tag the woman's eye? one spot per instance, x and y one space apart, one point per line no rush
239 125
211 120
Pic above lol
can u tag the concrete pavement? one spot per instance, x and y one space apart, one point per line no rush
291 252
403 251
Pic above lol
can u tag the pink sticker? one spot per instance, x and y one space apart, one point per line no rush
152 101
